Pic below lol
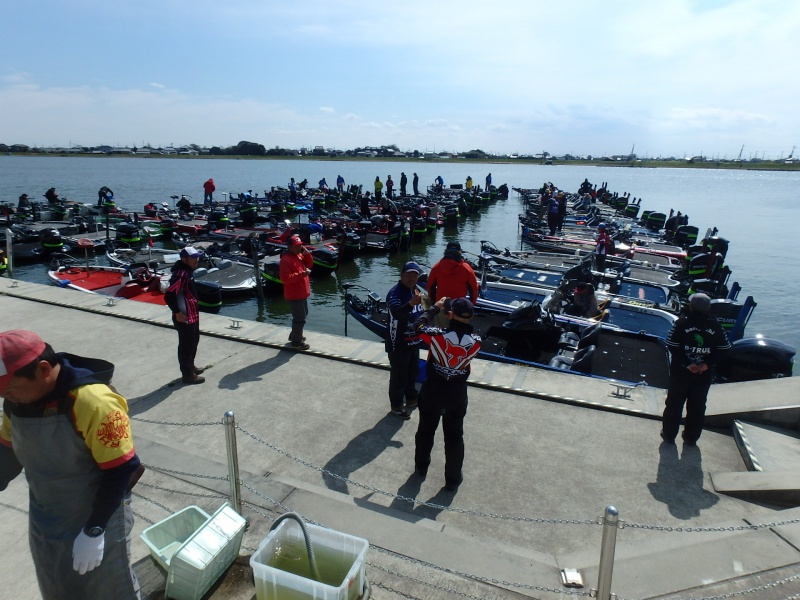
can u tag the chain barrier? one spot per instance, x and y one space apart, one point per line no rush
480 578
155 422
414 501
516 518
194 494
173 472
701 529
151 501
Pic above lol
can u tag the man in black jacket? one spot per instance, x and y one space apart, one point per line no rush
696 343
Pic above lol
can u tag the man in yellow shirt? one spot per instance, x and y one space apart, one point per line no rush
69 430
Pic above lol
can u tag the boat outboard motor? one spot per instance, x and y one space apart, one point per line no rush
655 221
247 212
217 219
168 228
685 236
705 265
645 215
51 241
526 318
719 245
129 234
755 358
632 210
726 312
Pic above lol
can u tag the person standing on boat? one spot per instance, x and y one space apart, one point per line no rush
602 246
323 185
52 196
103 196
378 187
69 430
552 214
295 269
468 183
389 187
208 192
452 277
340 183
415 184
488 181
562 210
403 184
292 191
439 183
444 393
402 343
181 298
696 343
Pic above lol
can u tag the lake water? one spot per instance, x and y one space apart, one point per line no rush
756 210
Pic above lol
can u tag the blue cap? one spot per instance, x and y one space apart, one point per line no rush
601 226
412 266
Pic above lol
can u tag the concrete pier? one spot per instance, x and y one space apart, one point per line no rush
545 454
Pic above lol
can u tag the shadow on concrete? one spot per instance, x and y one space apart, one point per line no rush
254 372
148 401
432 507
679 482
362 450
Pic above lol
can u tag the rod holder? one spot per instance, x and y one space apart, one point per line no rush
111 301
235 324
229 421
14 284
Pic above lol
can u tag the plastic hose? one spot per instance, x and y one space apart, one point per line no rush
312 561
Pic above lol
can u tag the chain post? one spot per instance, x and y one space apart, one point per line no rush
607 549
233 460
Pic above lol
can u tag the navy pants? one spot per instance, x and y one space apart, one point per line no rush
403 376
188 339
299 310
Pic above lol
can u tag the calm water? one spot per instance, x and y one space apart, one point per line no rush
757 211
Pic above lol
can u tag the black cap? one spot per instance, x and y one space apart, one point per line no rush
463 308
453 246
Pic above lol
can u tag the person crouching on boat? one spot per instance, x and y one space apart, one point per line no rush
181 298
402 342
584 302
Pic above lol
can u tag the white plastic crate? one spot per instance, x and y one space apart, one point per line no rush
195 549
282 572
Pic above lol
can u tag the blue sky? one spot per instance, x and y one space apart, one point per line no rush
674 78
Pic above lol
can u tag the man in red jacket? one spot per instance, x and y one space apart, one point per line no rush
452 277
295 268
208 191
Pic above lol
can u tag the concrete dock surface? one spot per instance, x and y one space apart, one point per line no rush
546 453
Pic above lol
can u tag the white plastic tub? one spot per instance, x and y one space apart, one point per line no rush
282 571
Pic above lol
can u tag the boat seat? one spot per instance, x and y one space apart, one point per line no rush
224 264
581 362
129 290
571 340
200 271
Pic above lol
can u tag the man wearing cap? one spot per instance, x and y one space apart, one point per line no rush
402 342
70 431
444 393
295 269
452 277
696 343
208 192
181 297
23 202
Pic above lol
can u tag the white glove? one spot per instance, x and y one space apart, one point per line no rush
87 552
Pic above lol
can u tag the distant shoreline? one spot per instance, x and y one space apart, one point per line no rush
638 164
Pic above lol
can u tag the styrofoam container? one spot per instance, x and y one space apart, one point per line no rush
195 549
281 568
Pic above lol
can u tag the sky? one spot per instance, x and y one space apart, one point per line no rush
676 78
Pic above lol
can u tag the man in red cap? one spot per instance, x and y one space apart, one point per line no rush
70 431
208 192
295 269
181 297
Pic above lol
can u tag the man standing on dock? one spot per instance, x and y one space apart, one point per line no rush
295 268
181 298
402 342
696 343
444 393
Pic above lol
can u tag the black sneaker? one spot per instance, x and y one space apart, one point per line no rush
690 443
199 371
402 413
193 380
300 346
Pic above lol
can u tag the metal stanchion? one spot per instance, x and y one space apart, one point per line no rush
607 548
233 460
